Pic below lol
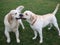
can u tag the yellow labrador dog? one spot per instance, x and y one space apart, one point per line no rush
11 23
38 22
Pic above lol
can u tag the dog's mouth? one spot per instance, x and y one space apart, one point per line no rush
20 18
23 18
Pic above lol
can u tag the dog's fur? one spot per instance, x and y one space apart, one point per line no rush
12 24
38 22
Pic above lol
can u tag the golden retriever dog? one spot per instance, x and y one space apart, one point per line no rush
38 22
11 23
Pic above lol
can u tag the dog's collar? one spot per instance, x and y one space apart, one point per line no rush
34 20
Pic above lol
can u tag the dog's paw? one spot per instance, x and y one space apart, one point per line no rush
34 38
59 33
18 41
40 41
49 28
23 27
8 41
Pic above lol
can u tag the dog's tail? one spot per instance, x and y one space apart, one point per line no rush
56 9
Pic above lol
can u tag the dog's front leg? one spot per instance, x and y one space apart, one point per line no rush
40 35
35 33
17 36
20 21
7 35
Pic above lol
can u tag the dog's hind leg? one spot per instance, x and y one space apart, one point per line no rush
50 26
56 25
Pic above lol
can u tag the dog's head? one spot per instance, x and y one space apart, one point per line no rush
16 12
27 15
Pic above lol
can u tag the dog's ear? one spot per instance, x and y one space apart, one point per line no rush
32 18
20 8
10 18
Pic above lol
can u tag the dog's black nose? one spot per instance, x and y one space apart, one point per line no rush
21 15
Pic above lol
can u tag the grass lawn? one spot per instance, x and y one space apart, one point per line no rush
37 6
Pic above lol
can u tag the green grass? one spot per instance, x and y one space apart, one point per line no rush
37 6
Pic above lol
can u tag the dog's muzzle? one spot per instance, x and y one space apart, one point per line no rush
21 17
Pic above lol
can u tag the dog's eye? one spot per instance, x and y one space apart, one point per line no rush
26 14
15 13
